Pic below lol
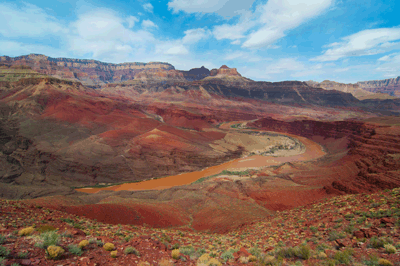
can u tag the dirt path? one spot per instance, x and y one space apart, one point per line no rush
313 151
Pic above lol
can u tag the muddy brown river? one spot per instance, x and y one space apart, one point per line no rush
312 151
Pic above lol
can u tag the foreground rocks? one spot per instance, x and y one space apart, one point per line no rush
349 230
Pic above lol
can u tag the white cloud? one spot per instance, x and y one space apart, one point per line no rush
226 8
244 56
102 34
195 35
366 42
177 50
148 7
27 21
279 16
389 65
234 32
148 24
180 46
293 68
271 21
131 21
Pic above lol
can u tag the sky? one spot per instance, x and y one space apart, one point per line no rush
271 40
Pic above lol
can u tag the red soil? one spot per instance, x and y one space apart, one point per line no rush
156 215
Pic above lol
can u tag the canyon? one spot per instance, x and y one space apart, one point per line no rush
144 144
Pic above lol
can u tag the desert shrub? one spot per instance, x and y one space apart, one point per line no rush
322 247
252 258
55 252
23 255
384 262
390 248
113 254
255 251
175 254
83 243
189 250
380 242
109 246
4 252
350 229
373 260
2 263
76 250
333 235
165 262
285 252
227 255
26 231
344 257
213 262
200 251
47 239
131 250
2 239
313 229
303 252
203 259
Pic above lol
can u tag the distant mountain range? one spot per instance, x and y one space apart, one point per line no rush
96 74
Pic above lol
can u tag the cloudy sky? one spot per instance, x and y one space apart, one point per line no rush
273 40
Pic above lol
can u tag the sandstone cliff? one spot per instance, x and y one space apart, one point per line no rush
89 72
355 89
390 86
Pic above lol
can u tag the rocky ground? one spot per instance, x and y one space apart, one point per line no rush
358 229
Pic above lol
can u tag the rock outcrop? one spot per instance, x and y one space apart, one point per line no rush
389 86
89 72
196 73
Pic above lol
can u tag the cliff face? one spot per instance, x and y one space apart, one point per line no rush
355 89
89 72
390 86
196 73
225 71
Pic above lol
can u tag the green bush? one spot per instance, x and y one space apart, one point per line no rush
303 252
74 249
4 252
286 252
380 242
344 257
333 235
2 239
23 255
131 250
189 250
390 248
227 255
47 239
255 251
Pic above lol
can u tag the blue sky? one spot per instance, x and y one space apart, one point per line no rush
274 40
